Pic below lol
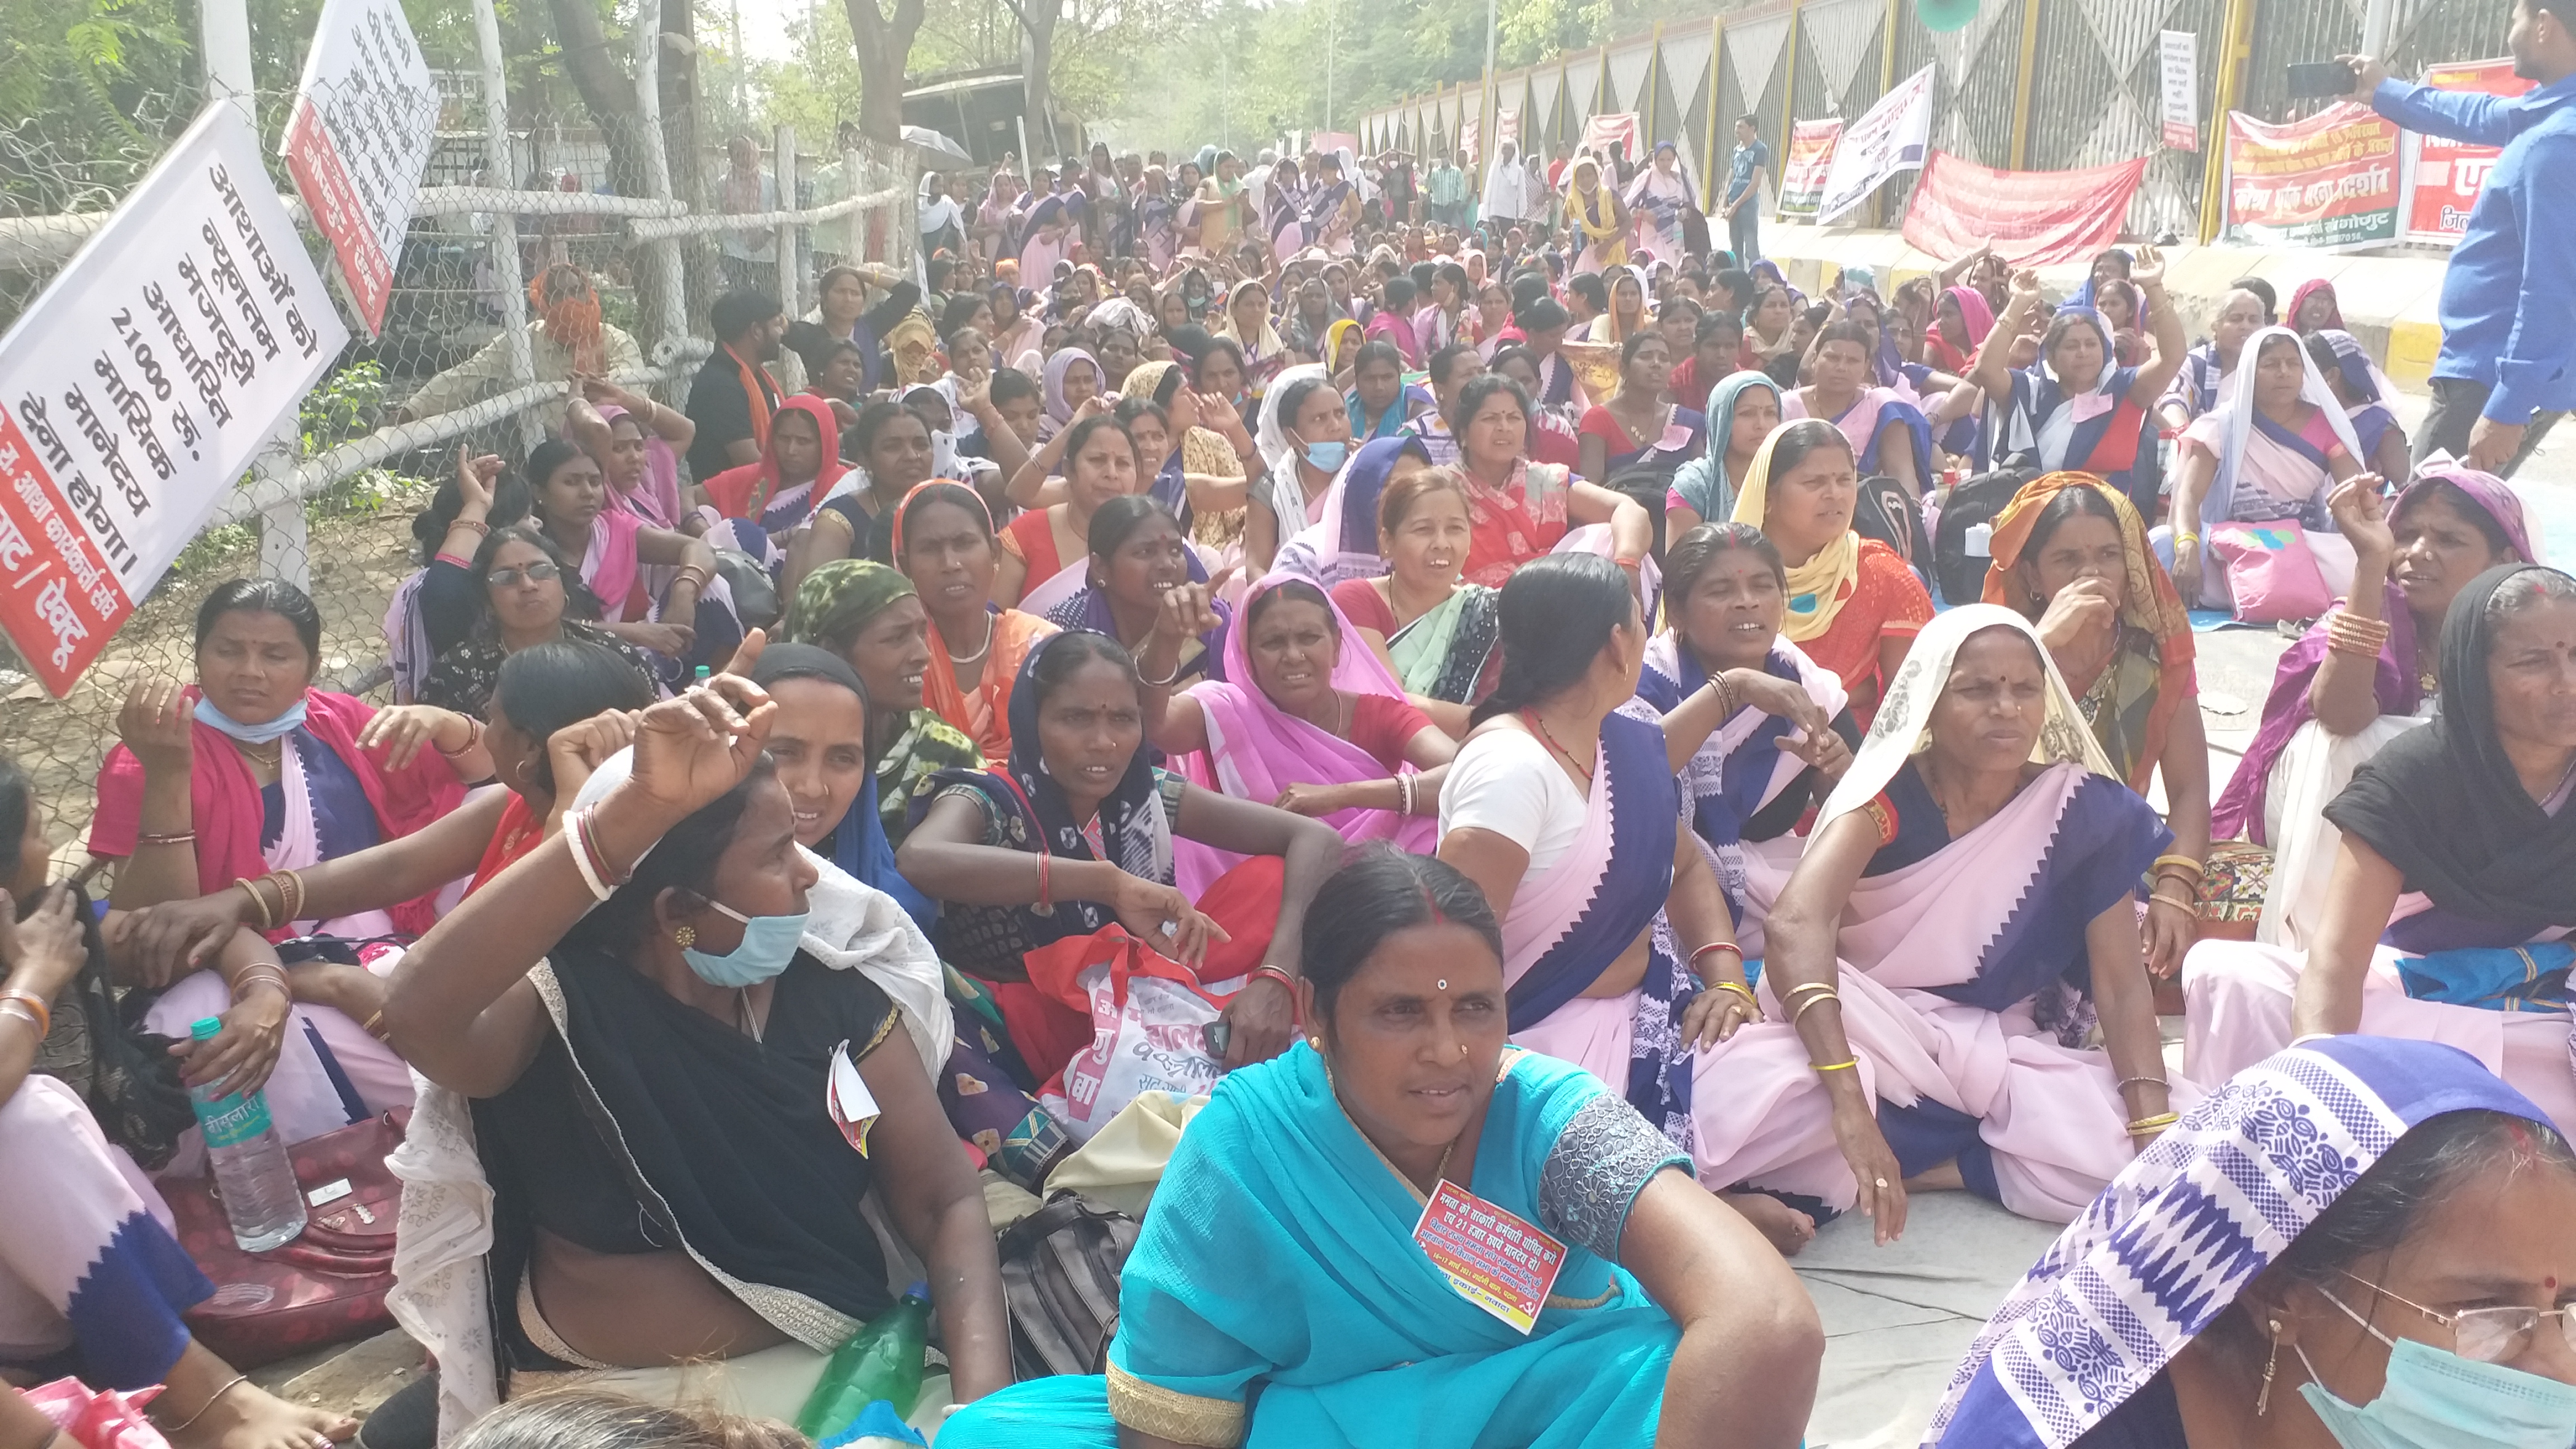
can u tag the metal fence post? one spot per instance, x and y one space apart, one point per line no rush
2235 44
505 225
1716 83
859 182
664 254
783 162
2025 84
1788 99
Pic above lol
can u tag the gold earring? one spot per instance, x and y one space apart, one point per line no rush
2271 1362
685 937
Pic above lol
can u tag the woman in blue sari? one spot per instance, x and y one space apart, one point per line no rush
1280 1296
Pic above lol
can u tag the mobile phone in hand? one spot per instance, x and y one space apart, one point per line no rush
2318 79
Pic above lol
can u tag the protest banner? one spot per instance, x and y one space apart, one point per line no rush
136 389
2034 218
2448 175
365 120
1608 133
1802 175
2328 182
2179 91
1889 137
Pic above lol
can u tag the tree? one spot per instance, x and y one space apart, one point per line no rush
1038 19
884 45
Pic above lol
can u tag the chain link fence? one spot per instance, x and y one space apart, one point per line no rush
462 360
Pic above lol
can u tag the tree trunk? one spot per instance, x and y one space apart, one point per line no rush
1037 70
677 69
607 91
884 46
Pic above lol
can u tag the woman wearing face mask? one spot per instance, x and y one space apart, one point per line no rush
530 598
1137 556
666 1221
2412 1295
2275 449
2447 907
1742 410
1313 440
1044 550
1311 721
871 618
754 508
2367 672
617 549
2079 409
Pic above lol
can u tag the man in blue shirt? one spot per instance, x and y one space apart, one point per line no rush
1749 168
2507 369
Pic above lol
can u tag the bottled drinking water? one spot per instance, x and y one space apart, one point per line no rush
253 1177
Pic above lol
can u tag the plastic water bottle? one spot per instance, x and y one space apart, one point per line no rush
880 1361
253 1177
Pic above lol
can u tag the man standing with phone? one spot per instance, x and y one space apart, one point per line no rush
2507 369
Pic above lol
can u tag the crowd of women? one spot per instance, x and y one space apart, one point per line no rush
1582 860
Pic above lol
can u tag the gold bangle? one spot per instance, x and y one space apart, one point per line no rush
1805 987
1740 989
1845 1065
1801 1009
2181 862
2147 1126
267 920
2161 899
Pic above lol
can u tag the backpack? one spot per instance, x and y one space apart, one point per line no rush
1886 512
1962 575
1060 1269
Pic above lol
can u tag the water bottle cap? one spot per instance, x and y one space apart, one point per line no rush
701 675
206 1028
918 1290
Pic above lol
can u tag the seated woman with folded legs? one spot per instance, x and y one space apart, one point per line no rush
1138 555
1280 1296
1075 832
2359 1242
642 1163
2454 888
1964 920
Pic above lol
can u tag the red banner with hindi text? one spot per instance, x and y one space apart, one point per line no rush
2034 218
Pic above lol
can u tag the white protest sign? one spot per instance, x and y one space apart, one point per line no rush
136 390
365 119
2180 56
1889 137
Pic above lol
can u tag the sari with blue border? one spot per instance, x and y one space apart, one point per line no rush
1277 1297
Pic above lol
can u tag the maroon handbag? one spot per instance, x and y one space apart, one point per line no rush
326 1287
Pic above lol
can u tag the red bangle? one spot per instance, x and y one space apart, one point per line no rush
1717 946
1043 901
1286 982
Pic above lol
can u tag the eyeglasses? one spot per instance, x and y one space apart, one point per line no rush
2481 1335
535 573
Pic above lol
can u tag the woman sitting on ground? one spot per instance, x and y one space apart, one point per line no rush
2368 671
2071 556
1520 509
436 607
1743 408
1076 833
1137 556
1306 718
2275 449
2448 908
852 521
614 550
871 618
1553 440
1198 472
646 1116
1635 431
2079 409
1758 732
1280 1256
530 598
1854 607
943 541
754 508
1441 635
1379 404
2208 368
1966 917
638 444
1071 378
1045 551
1888 435
1315 441
2358 387
2398 1260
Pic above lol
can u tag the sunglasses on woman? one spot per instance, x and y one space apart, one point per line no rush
535 573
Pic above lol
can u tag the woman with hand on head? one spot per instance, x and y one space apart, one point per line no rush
437 606
1306 718
616 549
631 1030
2447 906
2394 1275
1198 473
637 442
2274 450
2079 409
1742 410
2070 555
1963 919
530 598
2368 671
1076 833
1044 550
1281 1252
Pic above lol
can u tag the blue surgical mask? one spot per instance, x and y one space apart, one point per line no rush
258 734
768 944
1327 457
2435 1399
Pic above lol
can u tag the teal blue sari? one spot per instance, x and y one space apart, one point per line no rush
1279 1261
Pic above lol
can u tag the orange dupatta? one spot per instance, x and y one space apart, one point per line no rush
982 714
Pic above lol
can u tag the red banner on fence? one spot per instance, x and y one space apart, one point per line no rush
2448 175
2034 218
1811 155
2328 181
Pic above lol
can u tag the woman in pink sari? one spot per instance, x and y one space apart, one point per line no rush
1306 718
1963 918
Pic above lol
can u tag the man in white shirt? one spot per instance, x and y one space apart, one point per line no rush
1507 198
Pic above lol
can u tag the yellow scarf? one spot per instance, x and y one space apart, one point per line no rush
1818 587
1603 233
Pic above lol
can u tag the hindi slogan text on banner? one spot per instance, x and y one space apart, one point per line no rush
1613 132
136 389
365 119
2449 175
2178 55
1892 136
2034 218
1802 173
2329 181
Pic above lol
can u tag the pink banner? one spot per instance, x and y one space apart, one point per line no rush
2034 218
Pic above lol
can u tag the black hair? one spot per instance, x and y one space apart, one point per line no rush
1215 345
1010 385
1293 397
1528 285
1674 302
1060 657
1080 433
1851 332
2444 491
1120 517
872 420
955 495
1803 436
2069 503
1377 351
807 661
685 860
429 527
1589 286
543 460
1399 293
1479 390
595 1418
579 602
740 310
1379 891
961 310
1295 591
1638 339
2118 254
1782 370
17 802
547 686
2263 293
1421 274
1129 409
1692 553
265 596
1511 352
1455 275
1438 367
1714 320
1750 119
1543 315
1557 611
